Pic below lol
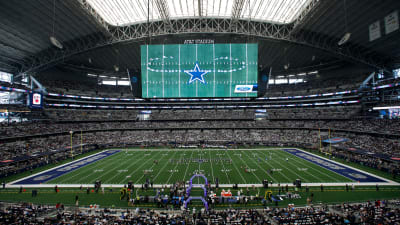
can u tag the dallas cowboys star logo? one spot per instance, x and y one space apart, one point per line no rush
196 74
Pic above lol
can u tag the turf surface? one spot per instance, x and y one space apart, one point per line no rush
66 196
166 166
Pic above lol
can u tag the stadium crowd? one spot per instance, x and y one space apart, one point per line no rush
337 112
217 130
297 127
277 127
381 126
38 149
378 212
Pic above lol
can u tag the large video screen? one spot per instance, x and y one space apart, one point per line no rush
12 98
199 70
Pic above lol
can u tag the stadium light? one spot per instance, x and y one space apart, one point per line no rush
347 35
386 107
56 43
344 39
53 39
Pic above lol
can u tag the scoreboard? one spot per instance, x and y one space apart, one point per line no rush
199 70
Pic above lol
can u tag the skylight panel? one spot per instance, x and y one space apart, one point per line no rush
125 12
218 8
274 11
183 8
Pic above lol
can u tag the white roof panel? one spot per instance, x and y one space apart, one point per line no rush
124 12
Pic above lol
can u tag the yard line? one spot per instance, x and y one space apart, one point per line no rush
230 68
147 71
247 69
84 170
283 174
245 182
214 69
249 167
312 167
263 169
174 168
198 162
162 74
124 176
141 166
123 164
188 165
165 164
196 82
198 178
112 169
227 176
104 169
298 175
179 69
212 169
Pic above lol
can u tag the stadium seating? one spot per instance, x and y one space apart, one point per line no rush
333 112
166 127
199 112
378 212
312 87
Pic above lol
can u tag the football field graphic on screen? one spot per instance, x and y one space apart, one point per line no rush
199 70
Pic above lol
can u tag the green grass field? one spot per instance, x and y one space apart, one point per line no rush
131 165
110 198
165 70
180 165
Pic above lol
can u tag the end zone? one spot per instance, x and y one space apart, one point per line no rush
358 176
42 177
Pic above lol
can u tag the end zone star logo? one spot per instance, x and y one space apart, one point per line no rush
196 74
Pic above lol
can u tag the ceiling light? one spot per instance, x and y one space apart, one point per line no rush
344 39
55 42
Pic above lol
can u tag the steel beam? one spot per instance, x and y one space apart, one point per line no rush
307 12
237 8
91 11
162 7
280 32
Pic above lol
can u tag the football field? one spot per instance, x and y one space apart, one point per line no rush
198 70
167 166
